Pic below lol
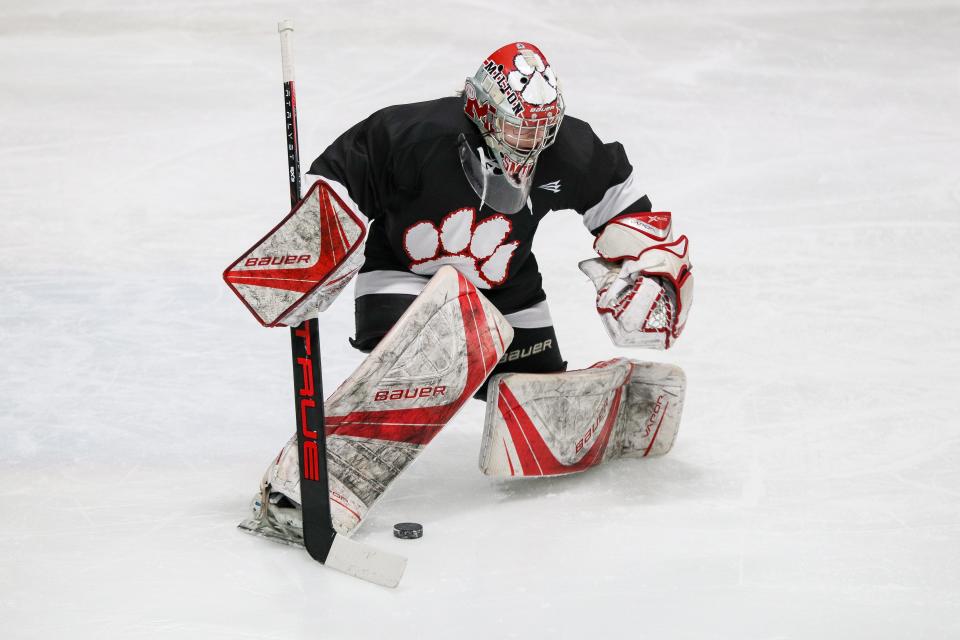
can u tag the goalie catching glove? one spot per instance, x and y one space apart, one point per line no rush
643 278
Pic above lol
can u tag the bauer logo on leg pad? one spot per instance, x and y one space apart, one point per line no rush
409 394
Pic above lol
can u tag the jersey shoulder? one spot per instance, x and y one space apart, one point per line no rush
576 144
414 124
583 165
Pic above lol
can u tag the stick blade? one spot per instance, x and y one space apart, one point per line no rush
365 562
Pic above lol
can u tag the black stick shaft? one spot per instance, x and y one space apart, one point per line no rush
293 143
318 533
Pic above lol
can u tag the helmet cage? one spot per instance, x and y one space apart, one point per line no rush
514 141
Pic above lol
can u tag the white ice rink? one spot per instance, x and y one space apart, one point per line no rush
811 150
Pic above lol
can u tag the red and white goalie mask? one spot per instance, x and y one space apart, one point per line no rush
516 102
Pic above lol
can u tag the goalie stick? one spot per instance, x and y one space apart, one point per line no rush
321 541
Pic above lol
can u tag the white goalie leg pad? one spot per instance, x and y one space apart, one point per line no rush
650 418
561 423
429 364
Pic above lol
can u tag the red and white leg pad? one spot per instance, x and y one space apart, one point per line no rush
560 423
430 363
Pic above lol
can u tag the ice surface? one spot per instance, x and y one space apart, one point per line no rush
810 150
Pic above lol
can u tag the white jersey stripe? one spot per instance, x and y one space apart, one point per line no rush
617 197
533 317
388 282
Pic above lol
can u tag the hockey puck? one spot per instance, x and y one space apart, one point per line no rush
408 530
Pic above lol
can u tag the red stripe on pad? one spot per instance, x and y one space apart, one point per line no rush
536 457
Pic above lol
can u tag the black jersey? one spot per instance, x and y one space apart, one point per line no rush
402 169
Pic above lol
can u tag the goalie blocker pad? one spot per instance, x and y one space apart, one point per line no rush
303 263
560 423
427 366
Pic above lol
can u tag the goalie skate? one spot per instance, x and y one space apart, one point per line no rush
555 424
378 421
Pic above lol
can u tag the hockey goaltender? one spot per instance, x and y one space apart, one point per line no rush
434 206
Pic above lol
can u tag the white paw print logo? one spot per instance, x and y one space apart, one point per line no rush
477 251
533 80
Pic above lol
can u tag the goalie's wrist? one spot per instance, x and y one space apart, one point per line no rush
628 235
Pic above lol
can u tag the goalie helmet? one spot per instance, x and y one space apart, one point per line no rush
515 100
